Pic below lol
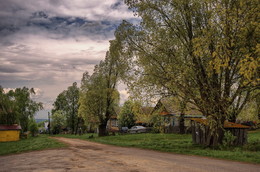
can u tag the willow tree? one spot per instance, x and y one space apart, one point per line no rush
99 96
206 51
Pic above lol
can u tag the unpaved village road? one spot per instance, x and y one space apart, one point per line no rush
88 156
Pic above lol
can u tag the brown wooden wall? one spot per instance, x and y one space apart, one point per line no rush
199 134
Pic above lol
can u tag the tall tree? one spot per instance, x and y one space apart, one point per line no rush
67 102
99 96
26 107
205 50
72 98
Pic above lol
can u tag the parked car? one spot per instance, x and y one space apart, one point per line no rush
137 129
124 129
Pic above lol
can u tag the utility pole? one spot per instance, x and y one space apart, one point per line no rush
49 125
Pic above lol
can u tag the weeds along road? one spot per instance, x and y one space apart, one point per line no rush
89 156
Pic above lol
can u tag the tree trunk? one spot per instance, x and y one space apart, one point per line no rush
233 116
77 125
102 130
181 124
215 134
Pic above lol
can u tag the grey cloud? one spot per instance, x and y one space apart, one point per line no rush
81 61
17 15
8 69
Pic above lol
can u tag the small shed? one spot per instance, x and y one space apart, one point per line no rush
9 133
199 131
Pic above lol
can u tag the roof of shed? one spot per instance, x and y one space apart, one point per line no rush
226 123
10 127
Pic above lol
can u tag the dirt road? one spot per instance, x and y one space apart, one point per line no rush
88 156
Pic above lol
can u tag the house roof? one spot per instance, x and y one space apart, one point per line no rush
10 127
170 106
226 123
146 110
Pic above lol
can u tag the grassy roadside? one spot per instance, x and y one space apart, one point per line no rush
32 143
182 144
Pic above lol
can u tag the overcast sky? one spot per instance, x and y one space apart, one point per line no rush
48 44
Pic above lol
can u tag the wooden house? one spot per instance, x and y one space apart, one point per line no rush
168 108
199 129
9 133
112 124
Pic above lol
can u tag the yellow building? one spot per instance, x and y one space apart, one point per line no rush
9 133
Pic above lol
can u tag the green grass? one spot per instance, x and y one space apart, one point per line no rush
32 143
181 144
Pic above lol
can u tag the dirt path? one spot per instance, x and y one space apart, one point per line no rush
88 156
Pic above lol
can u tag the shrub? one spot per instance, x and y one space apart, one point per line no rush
228 140
253 145
33 128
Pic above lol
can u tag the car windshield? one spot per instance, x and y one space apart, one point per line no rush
137 127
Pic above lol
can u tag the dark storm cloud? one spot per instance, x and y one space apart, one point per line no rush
61 27
95 19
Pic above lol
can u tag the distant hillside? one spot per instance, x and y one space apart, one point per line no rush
40 120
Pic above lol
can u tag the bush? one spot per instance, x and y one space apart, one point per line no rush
228 140
33 128
253 145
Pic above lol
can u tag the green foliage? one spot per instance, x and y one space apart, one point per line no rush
8 113
25 106
253 141
99 97
33 128
58 122
251 110
157 122
228 140
206 50
93 99
127 116
31 144
67 104
253 145
18 107
41 124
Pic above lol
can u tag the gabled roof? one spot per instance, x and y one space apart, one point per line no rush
146 110
226 123
170 106
10 127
